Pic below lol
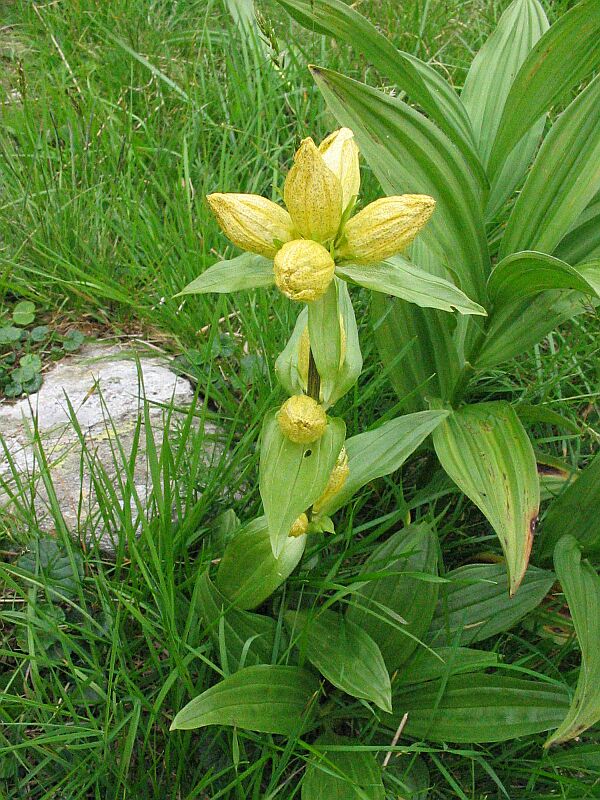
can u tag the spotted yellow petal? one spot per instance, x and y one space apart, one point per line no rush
340 153
252 222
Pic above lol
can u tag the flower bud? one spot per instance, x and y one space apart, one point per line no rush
313 194
252 222
337 479
384 228
300 526
304 349
303 270
301 419
340 153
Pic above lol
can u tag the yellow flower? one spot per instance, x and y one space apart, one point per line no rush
313 194
384 228
337 479
304 348
299 527
303 270
340 153
252 222
301 419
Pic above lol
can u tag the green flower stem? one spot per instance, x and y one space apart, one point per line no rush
314 379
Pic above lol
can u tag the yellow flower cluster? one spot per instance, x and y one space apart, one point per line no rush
301 419
306 240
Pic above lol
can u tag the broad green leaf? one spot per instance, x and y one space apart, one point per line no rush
478 708
576 512
343 653
263 698
408 153
401 278
422 83
583 758
292 476
516 327
326 338
248 638
582 242
247 271
412 772
395 605
382 451
350 774
417 349
541 413
565 54
249 572
425 665
475 604
581 587
286 366
493 69
486 452
528 273
564 178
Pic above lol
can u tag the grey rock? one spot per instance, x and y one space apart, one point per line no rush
103 386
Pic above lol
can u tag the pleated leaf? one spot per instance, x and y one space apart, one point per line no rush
479 708
576 512
395 605
247 638
486 88
379 452
399 277
350 774
485 450
343 653
564 178
527 273
581 587
425 665
409 154
292 476
248 271
249 572
582 242
263 698
423 84
475 605
559 61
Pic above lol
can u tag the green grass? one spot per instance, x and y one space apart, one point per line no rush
117 118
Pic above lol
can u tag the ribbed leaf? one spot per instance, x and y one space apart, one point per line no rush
493 69
382 451
246 637
401 278
576 512
417 349
527 273
247 271
264 698
564 55
564 178
487 86
408 153
343 653
581 587
419 80
425 665
475 604
582 242
479 708
394 606
292 476
486 452
516 327
350 774
554 475
249 572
